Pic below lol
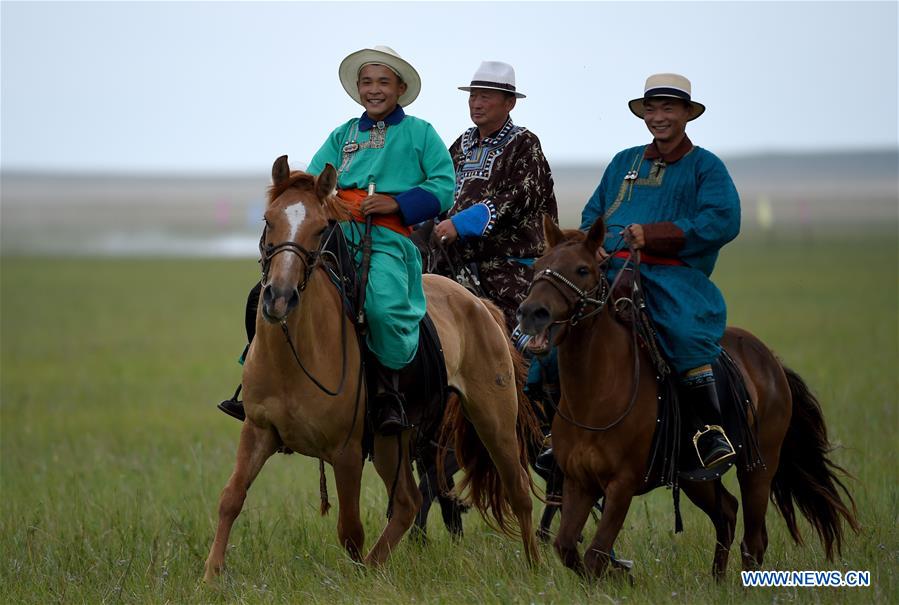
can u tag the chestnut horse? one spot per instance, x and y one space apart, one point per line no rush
602 389
319 411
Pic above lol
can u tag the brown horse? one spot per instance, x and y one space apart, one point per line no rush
285 407
598 379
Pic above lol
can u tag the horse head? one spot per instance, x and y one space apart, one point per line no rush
299 206
566 281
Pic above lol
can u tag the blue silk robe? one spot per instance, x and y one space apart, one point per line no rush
689 208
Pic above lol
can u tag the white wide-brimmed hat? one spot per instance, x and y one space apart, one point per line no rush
379 55
667 85
494 75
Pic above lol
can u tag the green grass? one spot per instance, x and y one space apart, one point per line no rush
113 455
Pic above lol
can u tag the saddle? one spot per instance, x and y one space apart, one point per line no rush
423 382
672 453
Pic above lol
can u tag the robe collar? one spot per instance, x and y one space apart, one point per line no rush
395 117
494 138
683 148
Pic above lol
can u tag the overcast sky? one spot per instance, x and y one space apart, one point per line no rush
229 86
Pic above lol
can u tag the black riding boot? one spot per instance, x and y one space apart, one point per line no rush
712 445
387 413
234 406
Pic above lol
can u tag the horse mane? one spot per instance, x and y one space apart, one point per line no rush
300 180
334 206
573 236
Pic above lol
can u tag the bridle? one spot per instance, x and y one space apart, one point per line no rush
583 299
311 261
269 251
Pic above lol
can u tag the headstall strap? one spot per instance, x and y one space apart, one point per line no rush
584 297
268 251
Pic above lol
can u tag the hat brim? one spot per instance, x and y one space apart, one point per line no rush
350 67
637 108
518 95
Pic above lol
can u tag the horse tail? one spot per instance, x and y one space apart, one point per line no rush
807 475
482 481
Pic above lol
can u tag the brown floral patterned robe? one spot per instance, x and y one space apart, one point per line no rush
506 175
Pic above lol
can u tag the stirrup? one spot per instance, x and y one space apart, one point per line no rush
708 429
234 406
391 418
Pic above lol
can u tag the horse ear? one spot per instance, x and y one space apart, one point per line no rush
551 231
596 235
280 170
326 182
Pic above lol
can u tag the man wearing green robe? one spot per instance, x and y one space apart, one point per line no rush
410 170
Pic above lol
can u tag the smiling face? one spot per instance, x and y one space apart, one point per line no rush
379 90
666 119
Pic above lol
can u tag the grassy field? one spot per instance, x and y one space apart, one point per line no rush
113 455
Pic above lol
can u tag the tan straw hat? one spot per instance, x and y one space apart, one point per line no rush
667 85
379 55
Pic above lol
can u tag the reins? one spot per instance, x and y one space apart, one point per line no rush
311 261
584 299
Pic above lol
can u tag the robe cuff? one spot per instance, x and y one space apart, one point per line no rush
664 239
476 221
417 205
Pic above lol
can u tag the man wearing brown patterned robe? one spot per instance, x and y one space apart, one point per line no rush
494 231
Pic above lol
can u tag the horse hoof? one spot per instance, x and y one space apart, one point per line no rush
418 536
620 573
210 578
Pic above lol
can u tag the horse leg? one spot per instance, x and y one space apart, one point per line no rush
553 495
618 496
499 438
756 488
721 506
546 521
393 465
255 447
348 477
450 507
431 488
577 502
427 487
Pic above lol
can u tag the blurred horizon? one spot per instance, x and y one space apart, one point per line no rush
192 173
214 215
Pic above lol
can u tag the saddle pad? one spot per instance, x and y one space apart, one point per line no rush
673 449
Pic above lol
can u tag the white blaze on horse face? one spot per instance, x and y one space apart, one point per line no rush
296 214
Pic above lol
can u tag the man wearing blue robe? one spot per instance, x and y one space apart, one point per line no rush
677 204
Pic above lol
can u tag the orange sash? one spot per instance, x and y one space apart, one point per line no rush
353 202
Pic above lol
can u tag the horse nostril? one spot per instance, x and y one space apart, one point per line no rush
533 316
294 300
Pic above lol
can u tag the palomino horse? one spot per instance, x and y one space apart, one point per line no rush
600 390
297 409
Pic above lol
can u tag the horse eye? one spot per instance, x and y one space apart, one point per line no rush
583 271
